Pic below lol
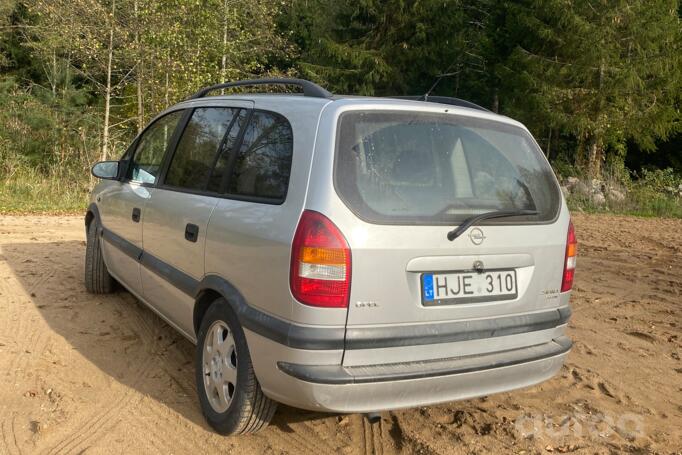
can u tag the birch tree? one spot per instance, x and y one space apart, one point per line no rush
95 33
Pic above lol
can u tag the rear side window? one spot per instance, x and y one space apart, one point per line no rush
198 148
223 159
263 163
146 162
429 168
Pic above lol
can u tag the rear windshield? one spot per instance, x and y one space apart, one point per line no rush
400 167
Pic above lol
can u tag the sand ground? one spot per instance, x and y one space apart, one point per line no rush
102 374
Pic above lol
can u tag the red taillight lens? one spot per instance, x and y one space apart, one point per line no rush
569 262
320 263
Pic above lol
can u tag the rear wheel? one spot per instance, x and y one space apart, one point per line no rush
97 278
231 398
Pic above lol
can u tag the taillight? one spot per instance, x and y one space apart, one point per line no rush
320 263
569 262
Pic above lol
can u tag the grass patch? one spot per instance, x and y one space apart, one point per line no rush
648 193
27 192
644 202
657 210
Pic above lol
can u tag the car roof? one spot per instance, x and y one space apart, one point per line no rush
296 101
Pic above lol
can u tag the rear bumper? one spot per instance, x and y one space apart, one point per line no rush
305 379
343 375
383 368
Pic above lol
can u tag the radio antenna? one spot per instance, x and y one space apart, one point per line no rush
438 79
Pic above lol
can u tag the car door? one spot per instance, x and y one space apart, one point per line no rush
122 204
178 211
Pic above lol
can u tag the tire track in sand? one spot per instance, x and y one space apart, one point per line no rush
96 423
28 332
9 435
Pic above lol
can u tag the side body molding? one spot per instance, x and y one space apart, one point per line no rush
299 336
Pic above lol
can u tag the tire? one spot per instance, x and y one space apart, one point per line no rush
97 278
223 361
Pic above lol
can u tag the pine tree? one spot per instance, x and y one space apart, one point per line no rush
603 71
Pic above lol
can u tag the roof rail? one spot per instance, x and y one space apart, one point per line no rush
443 100
309 88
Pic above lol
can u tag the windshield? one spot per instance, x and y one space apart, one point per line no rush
431 168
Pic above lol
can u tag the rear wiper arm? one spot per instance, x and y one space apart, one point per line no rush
467 223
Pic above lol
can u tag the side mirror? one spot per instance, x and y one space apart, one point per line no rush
106 170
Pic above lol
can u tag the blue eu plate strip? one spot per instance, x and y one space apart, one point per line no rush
427 285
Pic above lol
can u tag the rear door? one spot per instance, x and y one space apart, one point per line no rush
407 179
177 214
122 204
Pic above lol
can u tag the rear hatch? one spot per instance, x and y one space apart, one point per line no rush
410 178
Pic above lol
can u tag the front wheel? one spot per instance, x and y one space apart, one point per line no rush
97 278
231 398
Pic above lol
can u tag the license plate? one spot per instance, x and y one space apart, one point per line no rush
468 287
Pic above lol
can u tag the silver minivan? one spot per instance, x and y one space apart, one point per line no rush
339 253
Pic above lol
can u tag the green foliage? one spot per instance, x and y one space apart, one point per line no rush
41 131
596 82
656 192
80 77
30 191
604 74
594 74
661 180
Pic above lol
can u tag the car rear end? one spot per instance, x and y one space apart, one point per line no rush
427 319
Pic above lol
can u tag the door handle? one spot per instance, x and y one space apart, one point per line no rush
191 232
136 215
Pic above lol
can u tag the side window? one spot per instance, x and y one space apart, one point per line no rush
216 178
263 164
148 156
197 149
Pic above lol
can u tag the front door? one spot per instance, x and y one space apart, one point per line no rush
122 205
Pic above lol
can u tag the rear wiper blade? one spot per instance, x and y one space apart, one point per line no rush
467 223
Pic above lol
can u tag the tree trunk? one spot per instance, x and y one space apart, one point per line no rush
140 99
67 76
107 90
223 66
496 102
595 156
53 79
166 96
579 156
596 149
140 72
152 77
55 112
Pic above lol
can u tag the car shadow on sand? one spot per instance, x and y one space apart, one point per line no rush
118 334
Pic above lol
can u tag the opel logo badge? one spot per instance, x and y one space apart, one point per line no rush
476 236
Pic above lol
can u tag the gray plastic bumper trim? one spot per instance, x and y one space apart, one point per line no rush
339 375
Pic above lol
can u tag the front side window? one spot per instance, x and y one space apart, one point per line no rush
198 148
146 163
263 163
430 168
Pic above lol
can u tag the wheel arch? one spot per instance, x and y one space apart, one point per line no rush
91 214
203 301
211 288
